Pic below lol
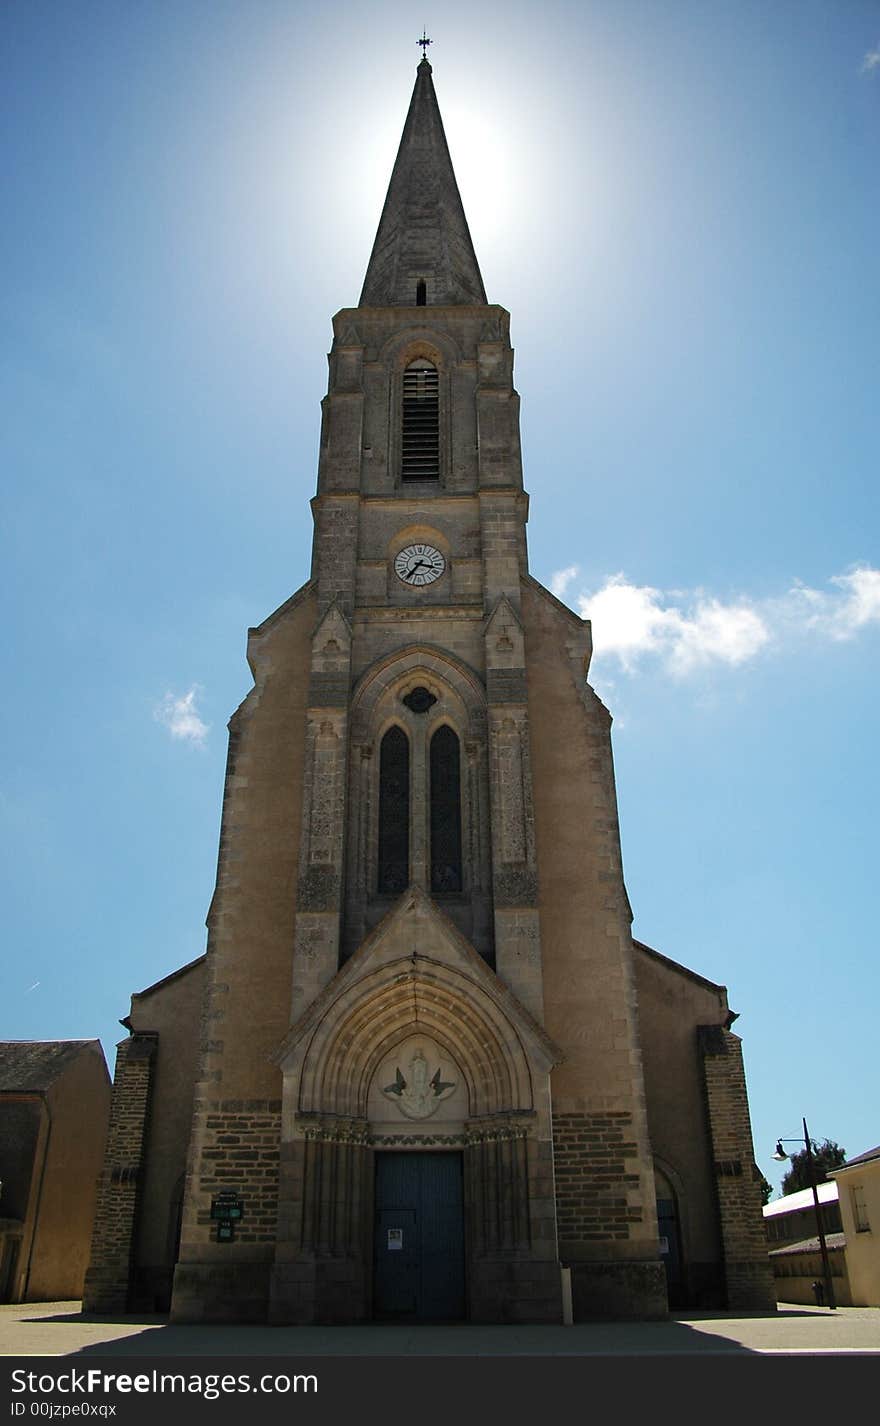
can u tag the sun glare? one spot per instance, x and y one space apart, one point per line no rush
484 161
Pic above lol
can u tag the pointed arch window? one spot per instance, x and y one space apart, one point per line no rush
393 812
420 439
445 763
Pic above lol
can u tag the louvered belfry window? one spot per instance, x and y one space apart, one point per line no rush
394 812
445 762
421 422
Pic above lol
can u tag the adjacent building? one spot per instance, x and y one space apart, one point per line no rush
849 1203
54 1106
795 1251
858 1184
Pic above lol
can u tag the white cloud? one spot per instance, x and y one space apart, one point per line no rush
871 60
861 605
631 620
837 615
686 632
725 633
560 581
627 618
181 717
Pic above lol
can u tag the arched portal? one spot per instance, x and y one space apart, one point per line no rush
415 1048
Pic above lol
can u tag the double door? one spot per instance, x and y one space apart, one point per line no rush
419 1237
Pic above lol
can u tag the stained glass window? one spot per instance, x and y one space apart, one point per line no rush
394 812
445 761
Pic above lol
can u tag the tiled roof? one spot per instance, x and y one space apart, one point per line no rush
833 1242
28 1066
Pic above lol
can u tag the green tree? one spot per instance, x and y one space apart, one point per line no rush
825 1156
766 1189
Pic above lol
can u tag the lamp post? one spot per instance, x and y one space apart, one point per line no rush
781 1155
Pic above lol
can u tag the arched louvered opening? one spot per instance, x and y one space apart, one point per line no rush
394 812
421 293
420 447
446 871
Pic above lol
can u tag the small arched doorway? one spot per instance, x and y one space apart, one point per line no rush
669 1228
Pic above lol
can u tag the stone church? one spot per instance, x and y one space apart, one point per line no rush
423 1071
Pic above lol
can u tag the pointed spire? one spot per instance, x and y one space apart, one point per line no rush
423 235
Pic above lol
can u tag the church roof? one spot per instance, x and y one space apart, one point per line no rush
166 979
677 966
30 1066
423 234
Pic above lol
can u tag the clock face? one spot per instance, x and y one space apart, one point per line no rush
419 564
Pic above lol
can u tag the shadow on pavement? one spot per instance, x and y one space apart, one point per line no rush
584 1339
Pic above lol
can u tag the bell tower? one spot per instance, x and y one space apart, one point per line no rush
420 545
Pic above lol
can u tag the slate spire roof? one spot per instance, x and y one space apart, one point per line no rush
423 234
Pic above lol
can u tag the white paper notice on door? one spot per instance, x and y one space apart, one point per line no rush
395 1240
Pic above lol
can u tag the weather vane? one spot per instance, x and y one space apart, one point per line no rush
424 42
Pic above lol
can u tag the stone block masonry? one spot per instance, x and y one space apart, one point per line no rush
593 1181
240 1152
107 1279
598 1211
746 1266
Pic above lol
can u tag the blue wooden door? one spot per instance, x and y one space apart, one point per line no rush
419 1238
667 1223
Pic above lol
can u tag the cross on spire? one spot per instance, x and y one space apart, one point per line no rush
424 42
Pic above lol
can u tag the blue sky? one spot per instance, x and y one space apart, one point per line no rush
678 204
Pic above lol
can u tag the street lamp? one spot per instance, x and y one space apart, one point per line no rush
780 1155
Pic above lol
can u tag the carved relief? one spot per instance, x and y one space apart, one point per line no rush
414 1094
417 1081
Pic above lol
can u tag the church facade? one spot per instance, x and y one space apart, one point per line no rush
423 1071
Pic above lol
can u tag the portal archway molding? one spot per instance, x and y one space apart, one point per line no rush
414 975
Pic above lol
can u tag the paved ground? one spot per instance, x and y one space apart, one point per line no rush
60 1329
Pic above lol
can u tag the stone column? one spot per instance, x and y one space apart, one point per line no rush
320 1270
513 1266
514 865
322 840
